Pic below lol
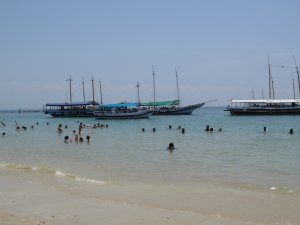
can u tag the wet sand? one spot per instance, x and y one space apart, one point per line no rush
36 198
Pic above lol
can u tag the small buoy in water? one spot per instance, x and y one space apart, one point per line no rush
143 129
265 129
291 131
66 126
183 130
3 134
220 129
170 126
153 129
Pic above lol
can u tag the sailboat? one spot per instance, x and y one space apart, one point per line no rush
171 107
123 110
72 109
269 106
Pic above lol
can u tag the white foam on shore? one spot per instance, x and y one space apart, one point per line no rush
57 173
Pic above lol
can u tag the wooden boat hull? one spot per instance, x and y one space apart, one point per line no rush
127 115
185 110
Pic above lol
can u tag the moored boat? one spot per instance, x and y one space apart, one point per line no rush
122 111
72 109
264 107
171 107
269 106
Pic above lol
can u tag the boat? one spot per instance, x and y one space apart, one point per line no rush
73 109
264 107
171 107
122 110
269 106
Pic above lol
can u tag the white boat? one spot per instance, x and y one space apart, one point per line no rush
264 107
122 111
269 106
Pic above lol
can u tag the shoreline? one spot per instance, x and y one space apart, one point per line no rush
40 199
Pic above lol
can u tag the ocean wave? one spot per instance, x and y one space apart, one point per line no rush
273 189
57 173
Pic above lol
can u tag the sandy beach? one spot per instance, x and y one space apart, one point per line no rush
36 198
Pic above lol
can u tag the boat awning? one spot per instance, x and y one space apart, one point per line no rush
72 104
267 101
175 102
127 104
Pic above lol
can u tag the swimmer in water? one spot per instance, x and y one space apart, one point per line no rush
59 128
88 138
171 146
66 139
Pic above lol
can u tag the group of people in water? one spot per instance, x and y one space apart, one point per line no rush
291 131
78 134
79 139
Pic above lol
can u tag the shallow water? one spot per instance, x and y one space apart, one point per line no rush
241 155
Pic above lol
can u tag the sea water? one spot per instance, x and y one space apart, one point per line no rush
240 155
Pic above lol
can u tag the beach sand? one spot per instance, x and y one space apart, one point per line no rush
38 198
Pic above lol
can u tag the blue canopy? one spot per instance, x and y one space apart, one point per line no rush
122 104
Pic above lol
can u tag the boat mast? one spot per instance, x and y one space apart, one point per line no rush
253 94
93 90
177 86
83 90
294 87
153 73
273 94
101 102
70 84
138 93
262 94
270 80
297 70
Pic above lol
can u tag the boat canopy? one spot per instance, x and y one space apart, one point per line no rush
267 101
126 104
72 104
175 102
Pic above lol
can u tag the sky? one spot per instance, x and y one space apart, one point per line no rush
219 48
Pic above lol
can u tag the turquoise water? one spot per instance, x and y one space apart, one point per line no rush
242 154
